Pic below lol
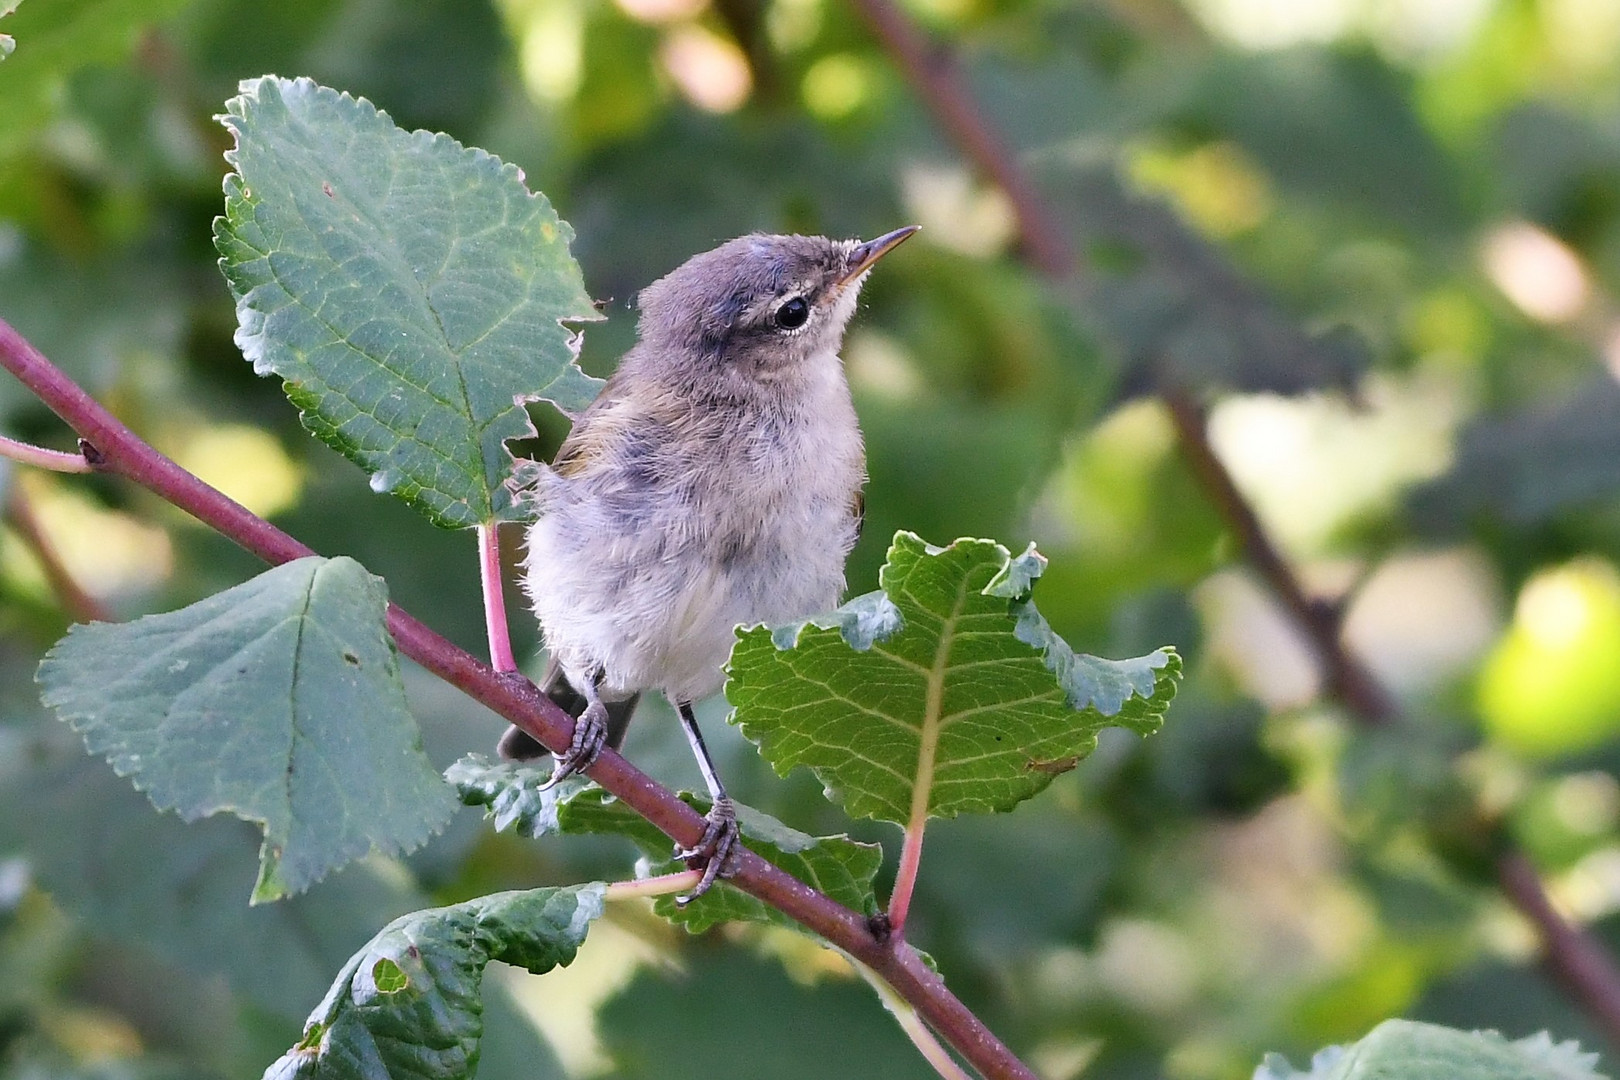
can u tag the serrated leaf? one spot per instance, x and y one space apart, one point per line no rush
409 1006
138 877
968 701
1406 1050
409 290
516 798
278 701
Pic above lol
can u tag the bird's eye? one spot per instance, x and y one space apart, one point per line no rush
793 314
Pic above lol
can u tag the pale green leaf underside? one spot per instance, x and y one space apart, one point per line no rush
1406 1050
409 1005
513 794
949 681
278 701
409 290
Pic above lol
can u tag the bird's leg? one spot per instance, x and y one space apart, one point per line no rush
590 732
718 846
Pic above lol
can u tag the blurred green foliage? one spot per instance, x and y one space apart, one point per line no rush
1402 215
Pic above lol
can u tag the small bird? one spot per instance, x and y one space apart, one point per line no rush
715 482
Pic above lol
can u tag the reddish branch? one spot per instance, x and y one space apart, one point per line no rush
1571 955
113 448
1348 679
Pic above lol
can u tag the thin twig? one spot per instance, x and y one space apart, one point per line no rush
114 448
1570 956
933 72
41 458
662 885
1347 678
79 605
489 578
1575 958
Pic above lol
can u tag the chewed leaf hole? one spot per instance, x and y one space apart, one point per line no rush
389 977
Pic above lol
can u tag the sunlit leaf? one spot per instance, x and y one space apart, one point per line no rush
278 700
947 692
410 291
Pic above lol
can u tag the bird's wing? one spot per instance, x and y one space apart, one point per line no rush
596 427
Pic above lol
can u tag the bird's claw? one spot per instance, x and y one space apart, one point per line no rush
590 735
718 848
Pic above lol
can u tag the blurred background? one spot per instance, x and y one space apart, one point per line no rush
1325 288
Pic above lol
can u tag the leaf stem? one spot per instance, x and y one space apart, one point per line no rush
927 747
662 885
912 1024
41 458
905 879
489 577
113 447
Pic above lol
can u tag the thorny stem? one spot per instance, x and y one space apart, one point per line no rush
114 448
41 458
910 1023
662 885
1573 957
489 577
79 605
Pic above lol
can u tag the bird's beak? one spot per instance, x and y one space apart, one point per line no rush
862 258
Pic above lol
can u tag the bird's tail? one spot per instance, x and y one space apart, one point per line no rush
518 745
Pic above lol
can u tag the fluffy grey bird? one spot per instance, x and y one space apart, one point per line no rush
715 482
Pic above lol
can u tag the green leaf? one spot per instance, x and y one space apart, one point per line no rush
409 1005
130 875
1406 1050
410 291
516 798
278 700
948 688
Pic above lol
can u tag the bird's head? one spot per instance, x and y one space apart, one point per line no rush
760 307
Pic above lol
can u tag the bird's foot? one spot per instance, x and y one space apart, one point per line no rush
590 735
717 848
